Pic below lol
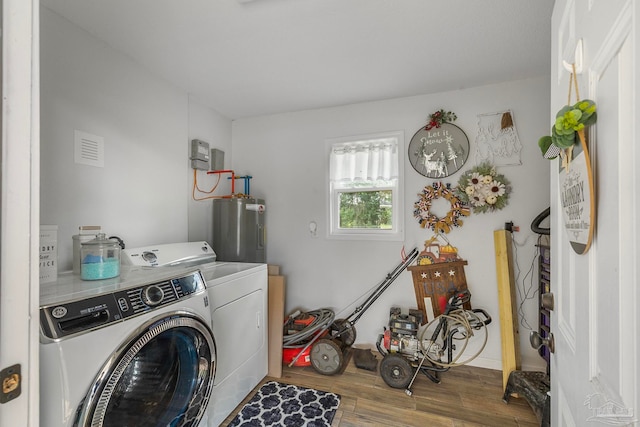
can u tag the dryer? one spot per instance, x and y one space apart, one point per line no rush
135 350
238 297
239 308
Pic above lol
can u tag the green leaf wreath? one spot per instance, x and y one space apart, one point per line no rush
484 189
569 120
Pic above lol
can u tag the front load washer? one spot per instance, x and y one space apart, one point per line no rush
135 350
238 297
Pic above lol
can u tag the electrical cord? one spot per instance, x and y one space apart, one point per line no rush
525 293
196 187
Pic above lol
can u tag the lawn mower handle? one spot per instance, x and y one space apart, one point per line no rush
359 311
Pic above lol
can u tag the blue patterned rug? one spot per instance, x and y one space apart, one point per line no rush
277 404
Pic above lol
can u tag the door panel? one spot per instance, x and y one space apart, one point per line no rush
594 370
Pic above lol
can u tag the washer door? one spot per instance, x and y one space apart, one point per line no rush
163 376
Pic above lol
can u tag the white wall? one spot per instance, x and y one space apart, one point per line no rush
285 153
142 194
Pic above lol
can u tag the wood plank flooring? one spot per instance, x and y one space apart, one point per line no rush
467 396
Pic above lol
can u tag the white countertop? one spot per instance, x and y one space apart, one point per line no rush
70 287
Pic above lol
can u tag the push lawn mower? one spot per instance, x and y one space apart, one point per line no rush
316 338
440 345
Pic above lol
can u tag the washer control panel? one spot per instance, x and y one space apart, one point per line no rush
74 317
187 253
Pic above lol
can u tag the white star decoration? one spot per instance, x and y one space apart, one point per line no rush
452 273
424 275
437 273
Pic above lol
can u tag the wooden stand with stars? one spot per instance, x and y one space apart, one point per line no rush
436 283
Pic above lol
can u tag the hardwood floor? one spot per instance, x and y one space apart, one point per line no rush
467 396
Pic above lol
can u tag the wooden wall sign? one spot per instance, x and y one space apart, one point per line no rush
435 283
577 198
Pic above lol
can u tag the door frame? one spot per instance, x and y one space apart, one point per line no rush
20 207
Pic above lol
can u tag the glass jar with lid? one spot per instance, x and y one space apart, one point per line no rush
100 258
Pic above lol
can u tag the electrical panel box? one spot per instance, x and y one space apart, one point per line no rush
199 154
217 159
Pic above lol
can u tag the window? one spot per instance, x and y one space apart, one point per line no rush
365 179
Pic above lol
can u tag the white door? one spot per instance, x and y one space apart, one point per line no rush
595 367
19 233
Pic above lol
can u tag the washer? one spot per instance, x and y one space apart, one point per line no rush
135 350
238 295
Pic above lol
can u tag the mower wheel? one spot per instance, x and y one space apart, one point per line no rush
396 371
326 357
344 331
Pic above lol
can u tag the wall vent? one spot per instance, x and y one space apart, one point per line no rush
89 149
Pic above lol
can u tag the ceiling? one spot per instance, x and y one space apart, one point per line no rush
250 58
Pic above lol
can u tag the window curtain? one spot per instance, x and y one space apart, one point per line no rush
372 160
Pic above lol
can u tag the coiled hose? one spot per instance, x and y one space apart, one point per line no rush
458 325
323 318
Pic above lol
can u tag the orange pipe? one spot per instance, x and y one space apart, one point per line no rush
233 178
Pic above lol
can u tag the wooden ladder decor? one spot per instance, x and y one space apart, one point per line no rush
507 302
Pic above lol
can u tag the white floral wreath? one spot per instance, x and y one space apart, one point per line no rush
484 189
428 220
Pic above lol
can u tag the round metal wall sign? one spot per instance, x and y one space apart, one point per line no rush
578 199
439 152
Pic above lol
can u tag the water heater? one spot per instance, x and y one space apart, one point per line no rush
239 232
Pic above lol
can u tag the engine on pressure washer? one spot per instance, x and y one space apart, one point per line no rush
402 334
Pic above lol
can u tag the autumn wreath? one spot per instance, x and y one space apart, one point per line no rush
422 208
